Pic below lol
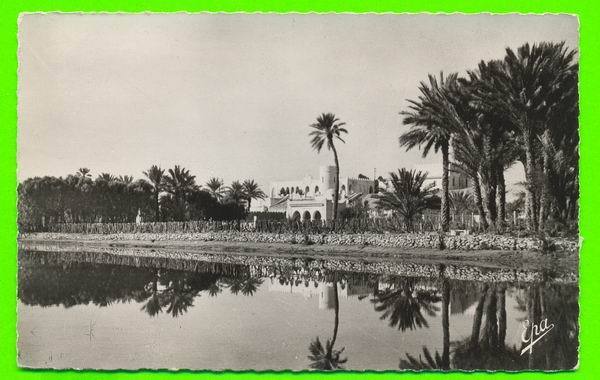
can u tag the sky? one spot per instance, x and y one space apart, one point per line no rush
233 95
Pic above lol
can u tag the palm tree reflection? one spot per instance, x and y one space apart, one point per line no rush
247 285
153 306
328 358
177 293
486 348
436 361
404 304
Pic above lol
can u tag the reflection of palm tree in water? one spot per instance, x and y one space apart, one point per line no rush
404 305
328 358
485 348
180 289
436 361
247 285
153 305
179 295
559 305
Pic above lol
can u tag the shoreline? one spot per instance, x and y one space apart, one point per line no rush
558 261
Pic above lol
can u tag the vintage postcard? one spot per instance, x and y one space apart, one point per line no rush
298 191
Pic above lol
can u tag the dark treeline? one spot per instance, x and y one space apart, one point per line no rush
521 108
171 195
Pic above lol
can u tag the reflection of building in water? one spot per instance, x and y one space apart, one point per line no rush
321 289
327 296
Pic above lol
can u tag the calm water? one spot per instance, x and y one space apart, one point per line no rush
226 316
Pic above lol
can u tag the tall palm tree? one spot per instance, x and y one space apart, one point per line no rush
235 192
328 358
126 179
178 183
252 191
83 172
107 177
461 202
327 129
408 196
499 145
215 187
468 153
429 128
155 175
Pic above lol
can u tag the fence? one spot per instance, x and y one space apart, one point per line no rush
277 226
427 223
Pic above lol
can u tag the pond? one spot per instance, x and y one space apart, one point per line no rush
79 310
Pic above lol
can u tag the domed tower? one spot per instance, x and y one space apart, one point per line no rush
327 177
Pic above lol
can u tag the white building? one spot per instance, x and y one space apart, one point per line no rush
312 198
456 180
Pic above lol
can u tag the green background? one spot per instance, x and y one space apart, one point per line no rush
589 20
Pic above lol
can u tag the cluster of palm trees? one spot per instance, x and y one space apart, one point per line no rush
164 195
180 187
157 290
79 198
522 108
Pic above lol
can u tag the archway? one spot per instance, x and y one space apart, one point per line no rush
316 189
306 216
296 216
306 190
317 216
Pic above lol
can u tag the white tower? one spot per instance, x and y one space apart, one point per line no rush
327 177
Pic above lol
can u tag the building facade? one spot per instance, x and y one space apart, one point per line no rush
456 179
311 199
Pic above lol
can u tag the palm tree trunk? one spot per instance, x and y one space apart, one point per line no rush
157 206
479 201
490 330
445 207
490 192
501 198
477 318
337 182
501 316
529 177
446 324
534 317
336 305
544 198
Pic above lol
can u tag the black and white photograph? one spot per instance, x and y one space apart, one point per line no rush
298 192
